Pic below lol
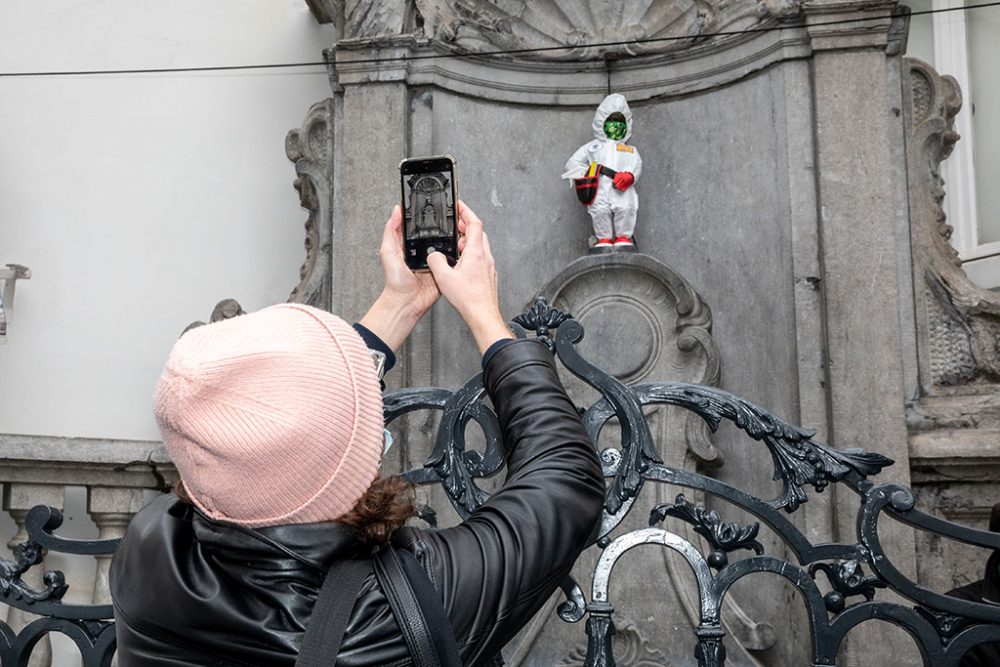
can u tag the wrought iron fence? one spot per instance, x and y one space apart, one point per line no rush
943 627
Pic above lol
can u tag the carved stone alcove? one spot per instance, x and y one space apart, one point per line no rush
644 322
668 327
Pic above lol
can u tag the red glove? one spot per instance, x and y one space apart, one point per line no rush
623 180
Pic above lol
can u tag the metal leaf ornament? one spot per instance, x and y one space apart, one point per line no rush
541 318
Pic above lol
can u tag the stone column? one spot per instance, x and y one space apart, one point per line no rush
18 499
857 104
371 140
110 509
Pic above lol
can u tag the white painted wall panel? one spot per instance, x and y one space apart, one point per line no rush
139 201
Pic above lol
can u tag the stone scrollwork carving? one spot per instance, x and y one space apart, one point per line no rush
667 322
962 320
552 52
364 19
367 18
311 149
483 26
224 310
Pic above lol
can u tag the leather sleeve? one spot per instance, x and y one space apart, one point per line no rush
497 568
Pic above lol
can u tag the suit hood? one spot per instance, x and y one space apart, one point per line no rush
612 103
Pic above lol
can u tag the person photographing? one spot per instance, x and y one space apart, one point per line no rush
274 421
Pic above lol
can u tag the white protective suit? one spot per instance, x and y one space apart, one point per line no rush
612 211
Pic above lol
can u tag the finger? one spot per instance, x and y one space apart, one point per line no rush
392 235
473 230
438 264
396 219
466 214
462 227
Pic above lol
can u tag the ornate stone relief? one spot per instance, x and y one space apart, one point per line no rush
635 296
961 327
556 60
311 149
482 25
632 649
371 18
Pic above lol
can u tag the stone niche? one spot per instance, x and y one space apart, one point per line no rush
770 172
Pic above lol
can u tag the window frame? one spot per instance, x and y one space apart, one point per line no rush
981 261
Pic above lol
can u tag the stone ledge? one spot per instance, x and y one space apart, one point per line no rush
973 408
568 83
955 455
36 459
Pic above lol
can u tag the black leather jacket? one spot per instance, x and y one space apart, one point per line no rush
189 590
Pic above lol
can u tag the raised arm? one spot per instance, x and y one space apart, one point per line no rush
497 568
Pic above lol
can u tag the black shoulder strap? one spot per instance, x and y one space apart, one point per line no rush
417 608
325 630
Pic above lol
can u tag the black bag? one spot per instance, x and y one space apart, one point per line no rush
586 187
411 595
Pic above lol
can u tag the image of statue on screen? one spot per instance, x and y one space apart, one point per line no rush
429 210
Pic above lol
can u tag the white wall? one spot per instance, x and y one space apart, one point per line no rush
139 201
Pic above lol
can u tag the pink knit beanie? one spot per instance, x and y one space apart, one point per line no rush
273 417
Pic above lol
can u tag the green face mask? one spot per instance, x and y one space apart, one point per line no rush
615 129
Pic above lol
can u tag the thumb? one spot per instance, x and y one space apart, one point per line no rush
438 264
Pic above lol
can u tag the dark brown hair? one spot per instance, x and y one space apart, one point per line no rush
385 508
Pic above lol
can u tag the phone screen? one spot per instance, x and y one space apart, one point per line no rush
429 200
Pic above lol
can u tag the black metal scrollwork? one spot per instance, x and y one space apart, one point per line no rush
847 579
86 625
542 318
11 586
945 627
799 461
723 536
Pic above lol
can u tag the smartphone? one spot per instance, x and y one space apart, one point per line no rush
429 201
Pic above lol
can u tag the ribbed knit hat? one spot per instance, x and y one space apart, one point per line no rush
273 417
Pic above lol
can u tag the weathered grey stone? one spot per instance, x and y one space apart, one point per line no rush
716 62
85 462
111 509
656 27
368 147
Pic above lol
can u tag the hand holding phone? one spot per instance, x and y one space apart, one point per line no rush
471 285
429 202
407 295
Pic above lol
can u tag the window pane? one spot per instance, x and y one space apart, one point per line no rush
983 31
920 43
